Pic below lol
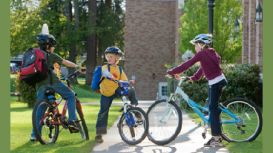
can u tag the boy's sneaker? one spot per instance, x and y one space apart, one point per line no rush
98 139
214 142
72 126
32 139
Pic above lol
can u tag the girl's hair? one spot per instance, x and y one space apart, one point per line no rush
204 46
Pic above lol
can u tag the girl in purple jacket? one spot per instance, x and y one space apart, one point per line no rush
210 67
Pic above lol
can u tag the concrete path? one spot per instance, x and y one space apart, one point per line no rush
188 141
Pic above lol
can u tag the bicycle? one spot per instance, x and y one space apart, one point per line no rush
241 120
52 119
133 124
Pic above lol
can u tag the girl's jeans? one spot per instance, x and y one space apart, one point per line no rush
66 94
215 91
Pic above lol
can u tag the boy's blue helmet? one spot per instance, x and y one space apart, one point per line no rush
113 50
46 39
202 38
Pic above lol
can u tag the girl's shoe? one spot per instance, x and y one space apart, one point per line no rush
213 142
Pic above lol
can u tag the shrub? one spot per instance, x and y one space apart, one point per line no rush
243 81
28 93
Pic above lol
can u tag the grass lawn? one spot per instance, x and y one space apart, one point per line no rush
20 129
255 146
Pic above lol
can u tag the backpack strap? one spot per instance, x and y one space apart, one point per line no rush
48 66
120 71
108 66
49 70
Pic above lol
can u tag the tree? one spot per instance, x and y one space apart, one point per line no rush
110 26
91 42
24 20
225 40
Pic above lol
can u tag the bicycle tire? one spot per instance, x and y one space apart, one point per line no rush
47 111
250 113
82 124
138 131
164 126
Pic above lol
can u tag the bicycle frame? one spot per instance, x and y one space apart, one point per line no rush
179 92
64 109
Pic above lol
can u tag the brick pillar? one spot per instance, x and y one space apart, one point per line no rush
259 40
245 31
150 36
251 31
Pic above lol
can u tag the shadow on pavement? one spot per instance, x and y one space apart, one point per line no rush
123 147
185 136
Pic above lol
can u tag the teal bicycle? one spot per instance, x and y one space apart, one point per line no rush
241 120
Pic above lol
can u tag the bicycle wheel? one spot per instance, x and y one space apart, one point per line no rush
249 123
165 120
81 122
44 123
133 126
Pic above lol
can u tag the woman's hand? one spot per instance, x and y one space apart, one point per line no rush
177 76
190 80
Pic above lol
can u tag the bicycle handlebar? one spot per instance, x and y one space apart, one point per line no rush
72 75
181 78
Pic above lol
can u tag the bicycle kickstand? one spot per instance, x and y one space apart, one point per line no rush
205 131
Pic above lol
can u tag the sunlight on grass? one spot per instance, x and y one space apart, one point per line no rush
20 125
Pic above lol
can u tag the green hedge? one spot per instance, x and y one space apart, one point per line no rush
28 93
243 81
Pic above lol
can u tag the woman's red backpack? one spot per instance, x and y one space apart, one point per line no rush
34 66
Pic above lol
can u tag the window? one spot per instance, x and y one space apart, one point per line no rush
163 90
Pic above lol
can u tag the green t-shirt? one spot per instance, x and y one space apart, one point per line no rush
51 59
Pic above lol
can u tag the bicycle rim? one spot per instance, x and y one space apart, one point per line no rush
165 120
46 127
133 126
250 123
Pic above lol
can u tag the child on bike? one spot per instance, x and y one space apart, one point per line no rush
210 67
109 89
47 44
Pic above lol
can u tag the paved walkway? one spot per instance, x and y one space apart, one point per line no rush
188 141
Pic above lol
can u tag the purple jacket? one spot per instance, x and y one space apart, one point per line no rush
210 65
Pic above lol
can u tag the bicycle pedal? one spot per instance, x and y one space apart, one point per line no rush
73 130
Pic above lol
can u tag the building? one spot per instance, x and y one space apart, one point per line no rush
252 50
151 38
150 42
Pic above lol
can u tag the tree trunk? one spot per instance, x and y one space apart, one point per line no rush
91 42
108 3
72 31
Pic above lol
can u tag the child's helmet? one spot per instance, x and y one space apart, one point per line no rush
113 50
202 38
46 39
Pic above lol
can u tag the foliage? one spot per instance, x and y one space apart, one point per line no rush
226 40
71 22
28 93
110 26
23 28
243 81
